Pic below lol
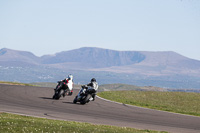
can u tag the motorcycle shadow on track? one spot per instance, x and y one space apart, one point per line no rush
68 102
46 98
50 98
75 104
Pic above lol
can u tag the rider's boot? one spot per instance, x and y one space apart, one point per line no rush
93 96
70 93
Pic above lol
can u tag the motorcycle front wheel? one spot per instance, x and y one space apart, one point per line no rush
86 99
75 100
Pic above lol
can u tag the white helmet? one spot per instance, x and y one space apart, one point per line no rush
70 77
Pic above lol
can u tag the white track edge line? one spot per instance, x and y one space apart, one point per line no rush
145 108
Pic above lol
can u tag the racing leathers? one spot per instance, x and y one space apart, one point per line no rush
92 87
69 86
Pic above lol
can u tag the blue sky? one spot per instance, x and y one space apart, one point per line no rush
51 26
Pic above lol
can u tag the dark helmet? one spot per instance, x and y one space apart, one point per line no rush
93 80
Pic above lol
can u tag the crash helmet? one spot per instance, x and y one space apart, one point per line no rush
93 80
70 76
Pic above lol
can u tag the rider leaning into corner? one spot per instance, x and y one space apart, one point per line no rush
92 87
69 83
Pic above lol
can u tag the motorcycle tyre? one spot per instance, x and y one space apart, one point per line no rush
86 100
57 97
60 93
75 100
53 96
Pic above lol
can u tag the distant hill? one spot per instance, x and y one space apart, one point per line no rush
97 59
88 57
143 68
159 64
10 57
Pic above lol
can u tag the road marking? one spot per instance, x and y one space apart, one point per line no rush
145 108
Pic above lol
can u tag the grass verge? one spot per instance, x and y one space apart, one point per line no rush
15 83
178 102
11 123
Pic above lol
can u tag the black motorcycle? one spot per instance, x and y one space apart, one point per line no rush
84 96
61 90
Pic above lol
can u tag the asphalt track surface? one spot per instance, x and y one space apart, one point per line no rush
37 101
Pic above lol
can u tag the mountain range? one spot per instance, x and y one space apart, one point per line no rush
163 69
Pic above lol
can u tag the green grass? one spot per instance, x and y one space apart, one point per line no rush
15 83
109 87
10 123
178 102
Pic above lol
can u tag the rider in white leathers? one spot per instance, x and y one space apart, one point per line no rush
69 83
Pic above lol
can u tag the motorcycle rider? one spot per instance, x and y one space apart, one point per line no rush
69 84
92 87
